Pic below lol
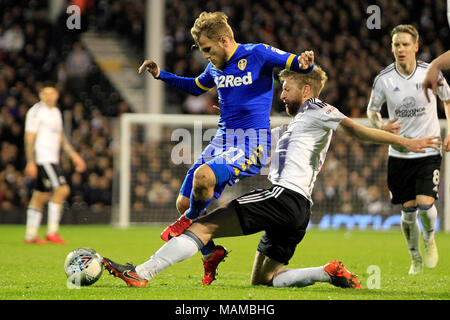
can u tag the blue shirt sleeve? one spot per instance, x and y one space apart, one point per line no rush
274 57
205 81
194 86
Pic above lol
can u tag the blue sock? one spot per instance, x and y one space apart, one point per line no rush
208 248
197 207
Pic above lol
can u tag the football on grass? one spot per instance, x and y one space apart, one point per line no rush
83 266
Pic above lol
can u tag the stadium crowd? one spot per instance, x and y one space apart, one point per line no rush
32 51
335 30
353 178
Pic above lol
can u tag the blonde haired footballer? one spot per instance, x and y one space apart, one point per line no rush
243 76
413 178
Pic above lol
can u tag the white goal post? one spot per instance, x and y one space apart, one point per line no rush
128 166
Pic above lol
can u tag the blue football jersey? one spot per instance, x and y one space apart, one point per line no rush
245 85
245 90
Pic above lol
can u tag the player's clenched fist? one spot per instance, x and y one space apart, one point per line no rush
79 163
151 67
31 170
306 59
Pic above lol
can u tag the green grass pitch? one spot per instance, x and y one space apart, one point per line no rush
33 272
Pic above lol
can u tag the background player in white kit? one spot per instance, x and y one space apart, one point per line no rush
413 178
282 211
44 137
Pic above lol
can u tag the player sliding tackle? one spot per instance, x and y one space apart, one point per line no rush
296 161
243 75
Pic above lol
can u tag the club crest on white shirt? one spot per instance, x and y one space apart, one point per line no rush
409 102
408 109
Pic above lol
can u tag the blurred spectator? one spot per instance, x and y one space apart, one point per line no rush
195 104
309 25
12 39
78 65
76 187
36 53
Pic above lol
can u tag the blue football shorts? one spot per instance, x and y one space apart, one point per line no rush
244 153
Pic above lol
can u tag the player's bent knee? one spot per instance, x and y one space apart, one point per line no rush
261 281
408 204
264 270
39 199
424 201
204 177
62 191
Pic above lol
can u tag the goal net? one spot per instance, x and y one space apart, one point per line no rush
157 150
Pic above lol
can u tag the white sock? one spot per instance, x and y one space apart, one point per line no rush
411 231
33 223
428 217
54 216
175 250
301 277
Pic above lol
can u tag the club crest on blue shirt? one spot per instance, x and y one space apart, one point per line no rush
242 64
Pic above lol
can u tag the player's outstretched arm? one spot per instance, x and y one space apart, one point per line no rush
151 67
189 85
431 80
363 133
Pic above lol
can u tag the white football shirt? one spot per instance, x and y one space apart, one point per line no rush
406 100
301 149
47 123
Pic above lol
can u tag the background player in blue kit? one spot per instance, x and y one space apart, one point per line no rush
243 75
